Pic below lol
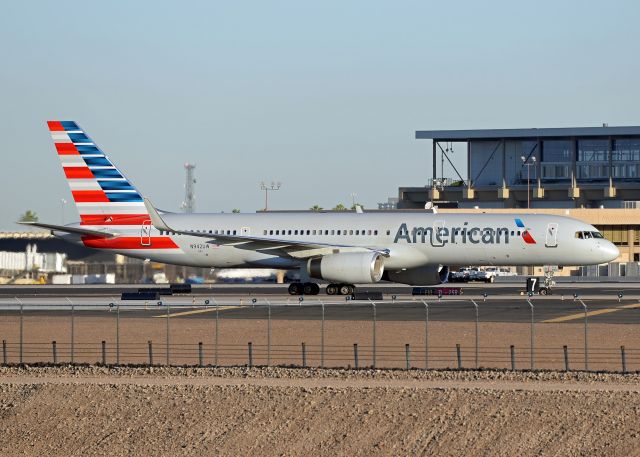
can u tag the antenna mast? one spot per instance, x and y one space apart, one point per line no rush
189 203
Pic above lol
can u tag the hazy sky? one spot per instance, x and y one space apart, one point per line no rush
322 96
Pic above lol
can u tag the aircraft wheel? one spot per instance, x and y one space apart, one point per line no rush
294 289
346 289
332 289
309 288
315 289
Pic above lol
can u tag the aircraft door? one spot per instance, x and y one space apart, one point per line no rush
551 236
438 236
145 233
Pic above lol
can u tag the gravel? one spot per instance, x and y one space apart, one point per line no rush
93 410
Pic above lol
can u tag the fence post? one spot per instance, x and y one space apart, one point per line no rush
4 352
373 364
355 355
167 361
304 355
623 356
475 305
72 329
216 339
200 355
586 347
426 335
566 358
54 349
21 326
322 338
150 348
118 334
268 332
459 356
513 358
531 333
104 352
250 355
407 356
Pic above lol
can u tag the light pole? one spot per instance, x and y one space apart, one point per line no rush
353 199
528 161
267 188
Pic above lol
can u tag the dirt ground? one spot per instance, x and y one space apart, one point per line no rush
172 411
287 336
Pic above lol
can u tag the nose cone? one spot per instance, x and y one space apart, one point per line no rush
608 251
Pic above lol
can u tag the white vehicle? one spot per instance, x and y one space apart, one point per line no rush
342 248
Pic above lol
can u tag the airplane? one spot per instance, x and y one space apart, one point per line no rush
341 248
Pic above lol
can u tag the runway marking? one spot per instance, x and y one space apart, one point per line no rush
197 311
597 312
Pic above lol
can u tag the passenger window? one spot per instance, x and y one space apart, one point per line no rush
270 232
388 232
295 232
333 232
277 232
512 233
375 232
357 232
314 232
234 232
308 232
338 232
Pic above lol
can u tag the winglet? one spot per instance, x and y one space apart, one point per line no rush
156 220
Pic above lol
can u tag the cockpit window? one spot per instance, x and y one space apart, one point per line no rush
588 235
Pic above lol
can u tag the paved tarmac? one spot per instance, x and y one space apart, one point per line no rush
253 290
504 303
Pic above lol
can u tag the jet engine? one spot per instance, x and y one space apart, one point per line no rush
348 267
429 275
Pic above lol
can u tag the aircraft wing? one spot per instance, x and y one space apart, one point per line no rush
295 248
70 229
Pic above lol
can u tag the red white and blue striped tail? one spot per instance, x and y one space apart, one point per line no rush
103 196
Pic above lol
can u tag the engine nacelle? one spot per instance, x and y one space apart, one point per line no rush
348 267
429 275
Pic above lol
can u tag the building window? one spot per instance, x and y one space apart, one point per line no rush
556 151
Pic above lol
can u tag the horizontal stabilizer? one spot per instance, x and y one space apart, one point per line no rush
70 229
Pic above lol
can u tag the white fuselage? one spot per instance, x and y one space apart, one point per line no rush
413 239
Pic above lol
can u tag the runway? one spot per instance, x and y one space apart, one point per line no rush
503 303
472 290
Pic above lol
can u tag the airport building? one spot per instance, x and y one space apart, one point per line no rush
591 173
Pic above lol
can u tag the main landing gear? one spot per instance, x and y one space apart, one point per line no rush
310 288
340 289
306 288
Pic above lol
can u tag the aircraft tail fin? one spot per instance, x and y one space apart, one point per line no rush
102 194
